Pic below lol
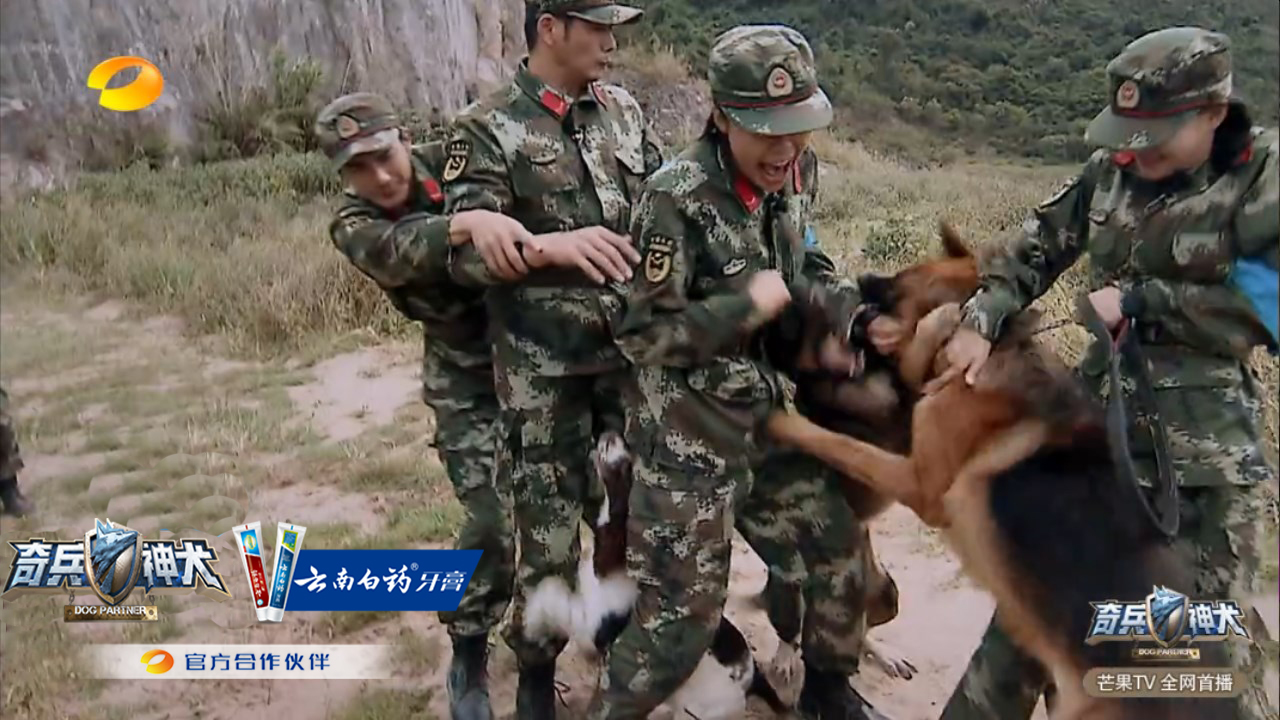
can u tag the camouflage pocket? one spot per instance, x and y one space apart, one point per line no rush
1210 412
1201 256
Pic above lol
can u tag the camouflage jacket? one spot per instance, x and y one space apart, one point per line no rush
555 164
408 256
699 346
1170 247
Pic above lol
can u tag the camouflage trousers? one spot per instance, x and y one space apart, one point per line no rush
679 547
466 411
1210 411
548 429
819 558
10 457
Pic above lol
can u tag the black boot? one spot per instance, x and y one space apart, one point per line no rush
15 503
829 696
536 693
469 678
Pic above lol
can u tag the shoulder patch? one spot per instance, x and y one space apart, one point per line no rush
657 259
734 266
457 155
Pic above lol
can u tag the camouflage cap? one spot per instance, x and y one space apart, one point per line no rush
764 79
601 12
1160 81
354 124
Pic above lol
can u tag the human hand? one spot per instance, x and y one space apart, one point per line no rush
497 238
768 293
1106 302
966 352
596 251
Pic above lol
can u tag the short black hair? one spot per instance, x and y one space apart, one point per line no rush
531 15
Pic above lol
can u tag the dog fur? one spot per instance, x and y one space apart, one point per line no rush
1016 468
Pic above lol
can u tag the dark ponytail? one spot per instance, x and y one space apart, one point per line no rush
1231 138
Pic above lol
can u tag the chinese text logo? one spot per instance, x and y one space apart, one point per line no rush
1165 617
111 560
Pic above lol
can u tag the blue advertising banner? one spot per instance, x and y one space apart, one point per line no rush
389 580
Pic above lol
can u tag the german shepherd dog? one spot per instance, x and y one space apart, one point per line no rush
1017 471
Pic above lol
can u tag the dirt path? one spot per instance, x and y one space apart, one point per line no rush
129 419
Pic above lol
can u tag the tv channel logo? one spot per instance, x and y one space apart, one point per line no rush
163 661
142 92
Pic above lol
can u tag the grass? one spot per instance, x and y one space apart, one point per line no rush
339 624
416 654
390 705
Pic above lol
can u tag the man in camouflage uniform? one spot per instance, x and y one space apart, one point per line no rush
15 503
392 227
564 154
720 245
1176 214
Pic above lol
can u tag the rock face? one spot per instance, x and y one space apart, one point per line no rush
425 54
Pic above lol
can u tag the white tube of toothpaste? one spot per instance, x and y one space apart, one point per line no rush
288 542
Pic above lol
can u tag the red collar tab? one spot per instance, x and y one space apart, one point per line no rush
599 93
433 190
747 193
1245 155
1124 158
552 101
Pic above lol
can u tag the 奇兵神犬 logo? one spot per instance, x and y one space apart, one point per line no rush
1166 617
111 561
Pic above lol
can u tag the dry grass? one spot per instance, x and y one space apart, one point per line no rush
238 248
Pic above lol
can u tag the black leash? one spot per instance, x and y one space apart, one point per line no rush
1125 354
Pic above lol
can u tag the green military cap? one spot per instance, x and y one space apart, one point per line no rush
354 124
1160 81
601 12
763 77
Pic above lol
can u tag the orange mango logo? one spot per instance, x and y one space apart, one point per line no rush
136 95
162 666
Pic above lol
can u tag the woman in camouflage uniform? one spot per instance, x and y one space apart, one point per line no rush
1178 215
723 229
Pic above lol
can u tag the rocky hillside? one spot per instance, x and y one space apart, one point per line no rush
217 55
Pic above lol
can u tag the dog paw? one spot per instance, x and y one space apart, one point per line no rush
889 660
785 671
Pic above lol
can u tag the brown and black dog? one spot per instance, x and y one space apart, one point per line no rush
1017 470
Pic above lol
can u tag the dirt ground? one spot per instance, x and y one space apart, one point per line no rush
124 416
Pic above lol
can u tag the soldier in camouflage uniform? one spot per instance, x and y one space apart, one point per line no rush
391 226
15 503
1179 215
723 229
565 155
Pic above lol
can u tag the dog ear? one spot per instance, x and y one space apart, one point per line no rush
876 290
952 243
